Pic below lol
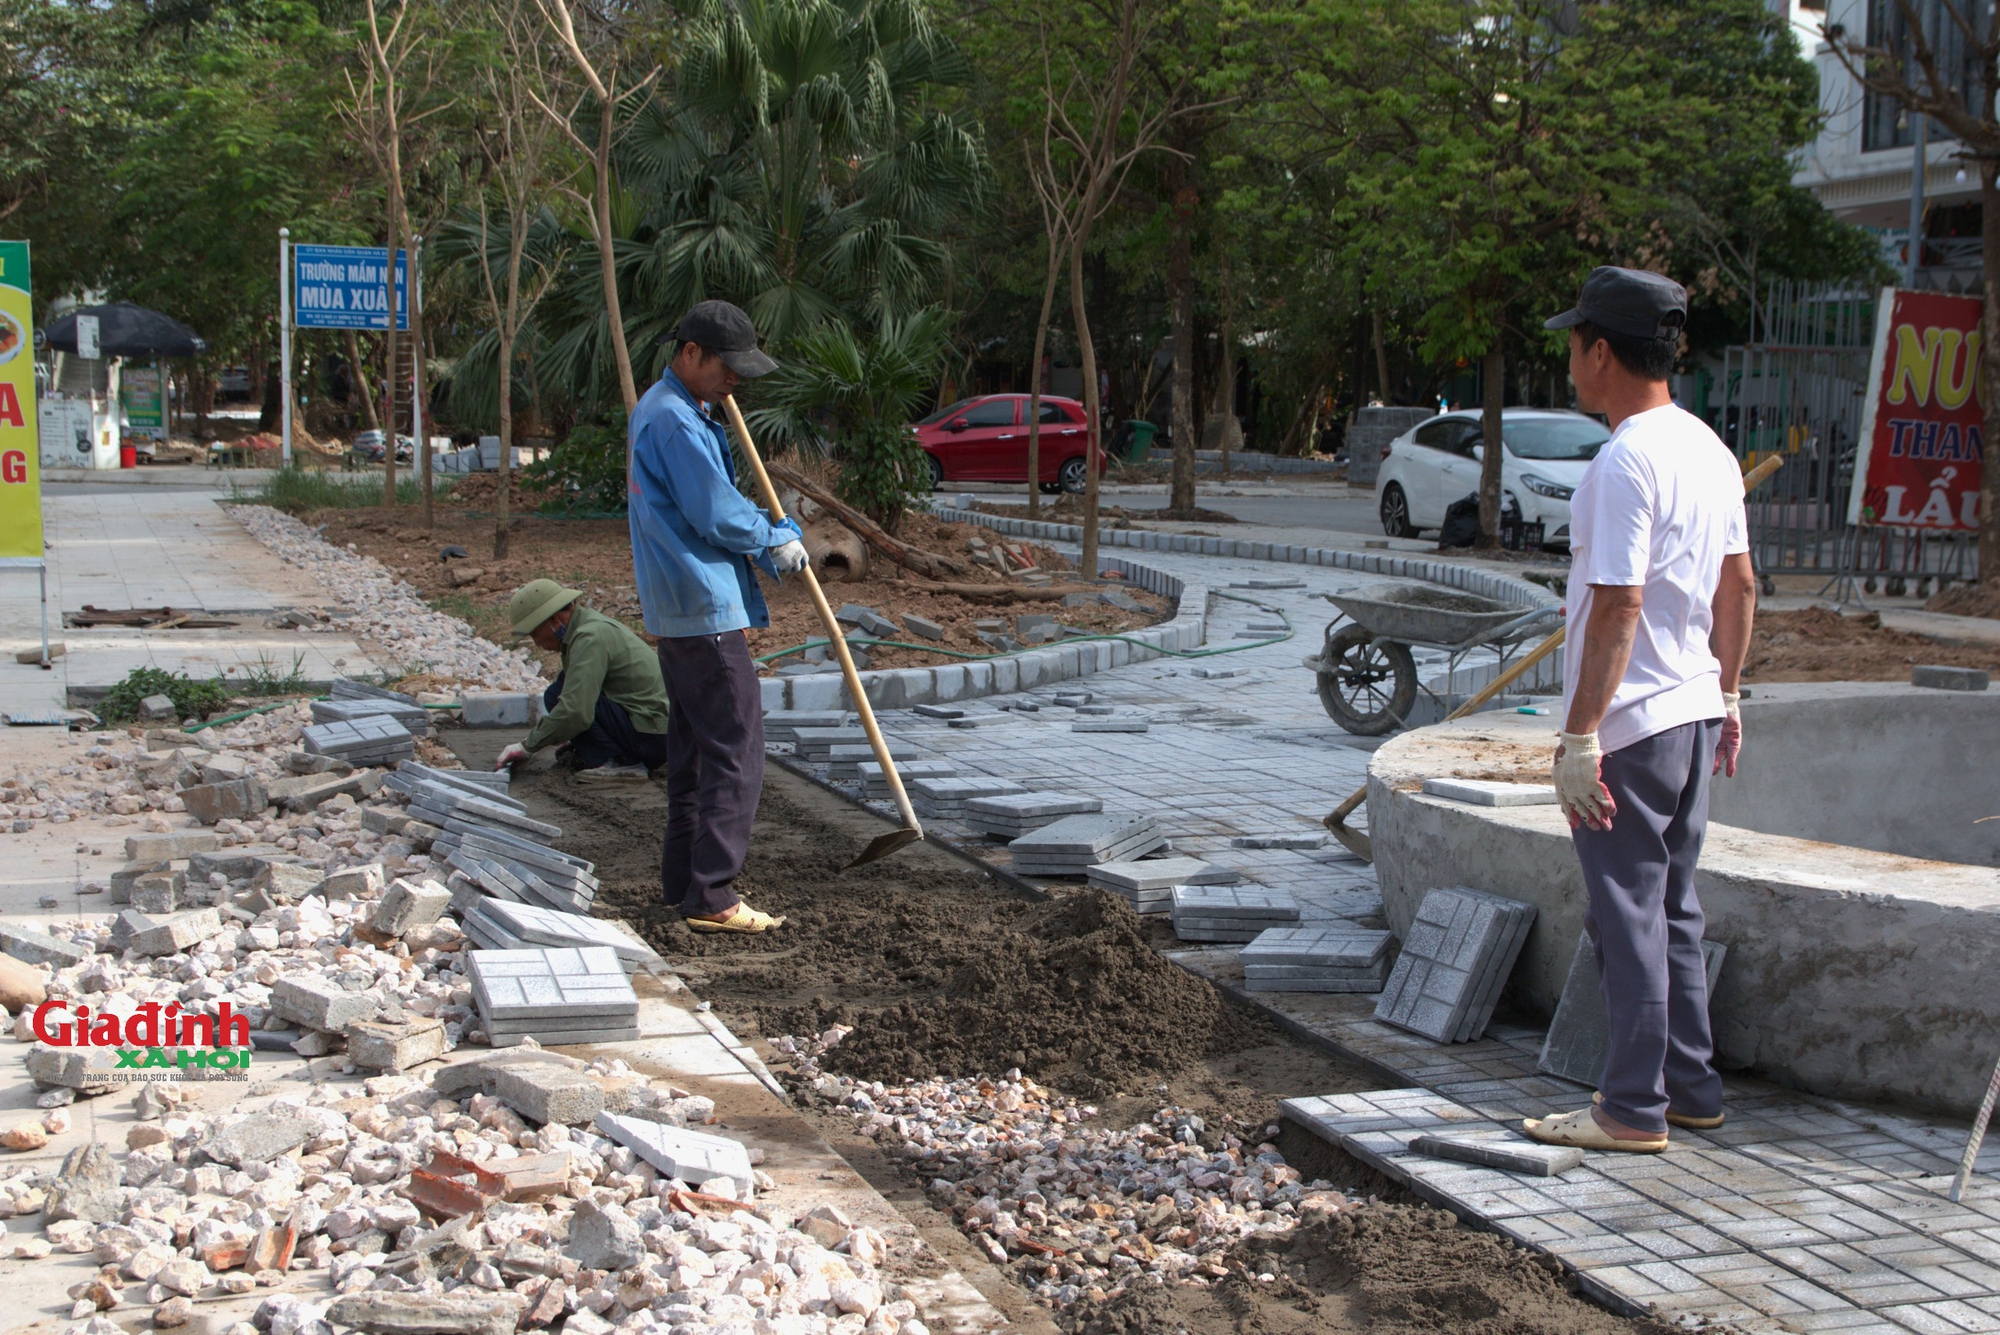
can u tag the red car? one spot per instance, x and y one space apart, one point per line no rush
986 440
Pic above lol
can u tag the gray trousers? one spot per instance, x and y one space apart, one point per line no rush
714 768
1646 924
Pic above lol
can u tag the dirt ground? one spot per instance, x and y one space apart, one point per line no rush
595 555
1383 1269
1968 600
942 968
1822 645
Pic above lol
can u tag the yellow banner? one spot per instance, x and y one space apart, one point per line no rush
20 448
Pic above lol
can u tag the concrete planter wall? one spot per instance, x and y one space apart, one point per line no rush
1851 972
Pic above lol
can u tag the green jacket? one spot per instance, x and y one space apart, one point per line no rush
602 657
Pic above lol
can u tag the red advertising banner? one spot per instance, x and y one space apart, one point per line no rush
1923 427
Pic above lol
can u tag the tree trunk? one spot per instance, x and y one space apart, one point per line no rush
1989 475
1225 383
506 437
1180 284
1381 356
358 392
420 450
271 407
1035 380
1091 406
614 311
1492 384
389 333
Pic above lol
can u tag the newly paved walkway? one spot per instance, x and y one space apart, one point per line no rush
1801 1213
156 546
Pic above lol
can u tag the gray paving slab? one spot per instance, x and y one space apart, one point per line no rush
1524 1156
1092 836
1456 943
1318 947
1246 904
1575 1046
1491 792
540 926
1160 874
548 982
695 1157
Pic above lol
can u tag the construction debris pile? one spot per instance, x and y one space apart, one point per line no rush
509 1192
1073 1210
515 1190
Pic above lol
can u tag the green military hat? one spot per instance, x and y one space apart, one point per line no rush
537 601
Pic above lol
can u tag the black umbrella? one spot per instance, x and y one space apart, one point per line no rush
126 330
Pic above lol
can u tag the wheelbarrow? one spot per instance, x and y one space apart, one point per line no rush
1367 676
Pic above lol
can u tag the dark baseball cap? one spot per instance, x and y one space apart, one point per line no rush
1633 302
725 329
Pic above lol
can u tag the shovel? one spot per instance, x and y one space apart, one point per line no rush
883 845
1358 843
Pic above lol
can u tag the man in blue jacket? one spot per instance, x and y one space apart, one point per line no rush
694 537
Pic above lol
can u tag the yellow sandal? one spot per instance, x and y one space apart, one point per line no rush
744 921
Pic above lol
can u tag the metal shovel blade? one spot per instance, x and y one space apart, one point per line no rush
883 845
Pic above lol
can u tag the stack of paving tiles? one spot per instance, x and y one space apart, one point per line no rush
521 873
415 719
1456 958
816 744
1339 958
491 840
478 780
1231 913
945 797
372 739
1074 844
845 761
1148 886
1012 815
875 784
496 924
782 725
554 996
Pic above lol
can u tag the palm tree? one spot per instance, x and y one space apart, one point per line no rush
855 394
797 166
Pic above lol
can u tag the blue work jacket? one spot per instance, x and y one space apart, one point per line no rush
693 533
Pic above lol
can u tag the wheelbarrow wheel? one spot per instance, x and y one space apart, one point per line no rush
1367 688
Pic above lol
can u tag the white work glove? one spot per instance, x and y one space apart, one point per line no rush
1579 788
1730 744
511 757
790 557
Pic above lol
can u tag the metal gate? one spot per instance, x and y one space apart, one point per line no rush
1798 393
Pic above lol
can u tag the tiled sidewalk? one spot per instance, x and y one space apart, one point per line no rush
1801 1213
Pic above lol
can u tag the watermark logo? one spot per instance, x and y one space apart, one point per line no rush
152 1037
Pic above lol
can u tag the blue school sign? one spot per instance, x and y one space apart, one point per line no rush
340 287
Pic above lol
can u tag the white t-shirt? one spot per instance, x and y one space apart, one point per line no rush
1659 507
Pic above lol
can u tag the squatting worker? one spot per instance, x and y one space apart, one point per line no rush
1661 595
694 537
607 706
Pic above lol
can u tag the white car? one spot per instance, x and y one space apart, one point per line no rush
1437 462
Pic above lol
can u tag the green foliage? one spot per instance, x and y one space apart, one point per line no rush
192 699
585 474
300 491
858 392
803 164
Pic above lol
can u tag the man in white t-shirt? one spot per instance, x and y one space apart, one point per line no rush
1661 596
